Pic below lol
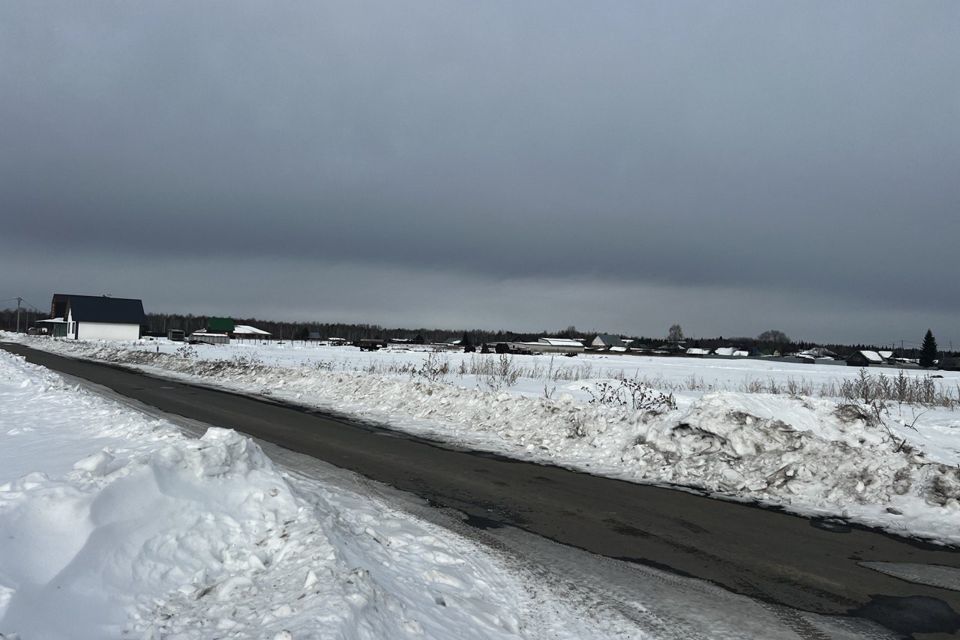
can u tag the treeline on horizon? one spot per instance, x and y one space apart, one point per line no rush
158 324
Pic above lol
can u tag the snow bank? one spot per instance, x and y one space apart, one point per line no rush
804 454
810 455
198 517
160 536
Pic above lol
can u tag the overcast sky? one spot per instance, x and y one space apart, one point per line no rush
621 166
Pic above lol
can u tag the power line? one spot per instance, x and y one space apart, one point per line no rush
34 307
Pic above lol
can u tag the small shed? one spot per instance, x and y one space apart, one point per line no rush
202 336
56 327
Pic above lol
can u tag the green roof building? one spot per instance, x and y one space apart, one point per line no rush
220 325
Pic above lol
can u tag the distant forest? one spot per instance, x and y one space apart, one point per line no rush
159 323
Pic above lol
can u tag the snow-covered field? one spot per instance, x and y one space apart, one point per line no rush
741 429
114 524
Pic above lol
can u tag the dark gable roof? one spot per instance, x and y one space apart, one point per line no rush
103 309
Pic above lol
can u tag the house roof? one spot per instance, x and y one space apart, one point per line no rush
608 340
562 342
818 352
220 325
872 356
245 329
104 309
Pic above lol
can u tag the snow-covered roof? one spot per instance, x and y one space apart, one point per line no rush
872 356
245 329
819 353
696 351
53 320
725 351
886 355
740 353
562 342
607 340
618 349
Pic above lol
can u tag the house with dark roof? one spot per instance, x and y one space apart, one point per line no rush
866 358
606 341
97 317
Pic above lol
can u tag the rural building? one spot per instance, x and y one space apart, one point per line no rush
220 325
246 332
96 317
202 336
821 353
605 341
548 345
369 344
730 352
865 359
951 363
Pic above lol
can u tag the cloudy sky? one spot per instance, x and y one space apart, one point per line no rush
622 166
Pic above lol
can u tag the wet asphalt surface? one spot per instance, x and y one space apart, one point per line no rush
761 553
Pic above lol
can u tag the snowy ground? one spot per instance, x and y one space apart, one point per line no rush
114 524
728 435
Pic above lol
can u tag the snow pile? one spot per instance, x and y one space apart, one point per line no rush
809 455
202 519
160 536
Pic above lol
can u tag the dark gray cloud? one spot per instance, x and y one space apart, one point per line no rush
798 160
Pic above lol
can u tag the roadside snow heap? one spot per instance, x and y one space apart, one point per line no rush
154 535
812 456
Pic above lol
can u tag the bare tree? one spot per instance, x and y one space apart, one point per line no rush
675 334
773 335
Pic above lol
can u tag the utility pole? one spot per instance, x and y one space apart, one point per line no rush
19 301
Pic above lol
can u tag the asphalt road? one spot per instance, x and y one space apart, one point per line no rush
757 552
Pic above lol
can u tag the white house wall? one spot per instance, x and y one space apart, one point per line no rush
107 331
